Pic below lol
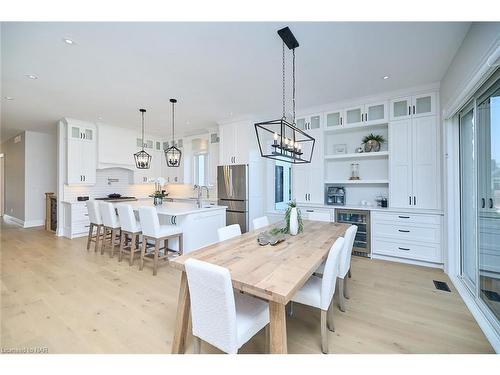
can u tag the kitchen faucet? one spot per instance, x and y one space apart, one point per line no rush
199 189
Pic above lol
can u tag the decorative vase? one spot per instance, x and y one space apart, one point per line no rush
294 222
157 201
372 145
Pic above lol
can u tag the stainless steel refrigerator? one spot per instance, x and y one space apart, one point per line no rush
232 188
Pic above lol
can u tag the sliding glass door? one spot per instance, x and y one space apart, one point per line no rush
480 195
488 190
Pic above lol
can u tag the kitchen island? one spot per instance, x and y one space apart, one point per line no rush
199 225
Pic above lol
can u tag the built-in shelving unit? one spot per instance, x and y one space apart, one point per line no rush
360 155
347 128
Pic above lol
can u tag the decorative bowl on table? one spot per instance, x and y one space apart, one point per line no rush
272 237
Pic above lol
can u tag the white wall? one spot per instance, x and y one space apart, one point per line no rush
40 175
480 39
14 159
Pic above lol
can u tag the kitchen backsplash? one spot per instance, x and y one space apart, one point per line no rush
122 183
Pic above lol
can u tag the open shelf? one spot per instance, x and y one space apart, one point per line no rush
361 155
346 128
356 182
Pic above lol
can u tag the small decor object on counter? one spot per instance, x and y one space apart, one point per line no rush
293 219
354 171
159 194
372 142
83 198
359 150
382 201
339 149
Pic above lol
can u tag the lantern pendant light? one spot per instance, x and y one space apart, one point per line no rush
142 158
280 139
173 154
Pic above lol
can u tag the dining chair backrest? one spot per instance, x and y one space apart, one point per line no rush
330 274
108 214
260 222
213 309
150 224
225 233
345 257
127 218
94 212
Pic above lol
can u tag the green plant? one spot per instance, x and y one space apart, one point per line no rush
293 204
372 137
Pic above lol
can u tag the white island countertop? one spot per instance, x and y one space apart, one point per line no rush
174 208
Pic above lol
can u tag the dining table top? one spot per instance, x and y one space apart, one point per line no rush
273 273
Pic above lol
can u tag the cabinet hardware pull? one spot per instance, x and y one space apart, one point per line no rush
404 217
341 121
409 197
491 202
403 248
403 231
86 226
309 210
413 109
414 200
483 203
409 110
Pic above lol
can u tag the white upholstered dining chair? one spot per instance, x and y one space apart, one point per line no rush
131 230
318 291
153 231
231 231
95 222
220 316
260 222
345 266
111 226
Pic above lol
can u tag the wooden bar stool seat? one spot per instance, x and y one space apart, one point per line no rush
95 222
130 232
112 228
154 232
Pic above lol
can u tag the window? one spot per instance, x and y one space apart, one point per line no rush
200 169
282 185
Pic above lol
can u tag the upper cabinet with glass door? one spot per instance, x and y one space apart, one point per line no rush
309 122
413 106
361 115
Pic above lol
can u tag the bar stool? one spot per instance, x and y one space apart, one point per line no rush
95 222
131 230
111 226
152 230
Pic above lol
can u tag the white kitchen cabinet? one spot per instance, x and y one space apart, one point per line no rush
76 219
375 113
308 184
414 178
236 140
309 122
411 236
363 114
335 118
81 154
413 106
354 115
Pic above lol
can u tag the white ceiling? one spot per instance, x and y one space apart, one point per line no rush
217 71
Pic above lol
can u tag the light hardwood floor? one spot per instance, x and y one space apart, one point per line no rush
57 295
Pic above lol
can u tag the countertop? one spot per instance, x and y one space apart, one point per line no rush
174 208
367 208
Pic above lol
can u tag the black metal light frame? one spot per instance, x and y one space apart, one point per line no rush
173 154
142 158
289 143
294 152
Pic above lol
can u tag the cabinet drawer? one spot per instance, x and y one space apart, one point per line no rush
410 250
404 217
316 214
428 233
80 227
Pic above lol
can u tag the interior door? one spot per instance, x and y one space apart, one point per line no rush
426 183
400 162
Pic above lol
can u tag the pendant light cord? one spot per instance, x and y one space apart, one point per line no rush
142 115
283 60
293 85
173 124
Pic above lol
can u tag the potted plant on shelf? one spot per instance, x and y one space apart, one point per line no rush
373 142
293 219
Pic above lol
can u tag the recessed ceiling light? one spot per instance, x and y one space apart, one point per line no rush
99 118
385 77
31 76
8 98
68 41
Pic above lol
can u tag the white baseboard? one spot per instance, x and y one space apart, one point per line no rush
34 223
486 326
13 220
407 261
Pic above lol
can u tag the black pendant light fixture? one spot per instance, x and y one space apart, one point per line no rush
142 158
280 139
173 154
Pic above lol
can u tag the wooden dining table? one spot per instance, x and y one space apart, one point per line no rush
272 273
